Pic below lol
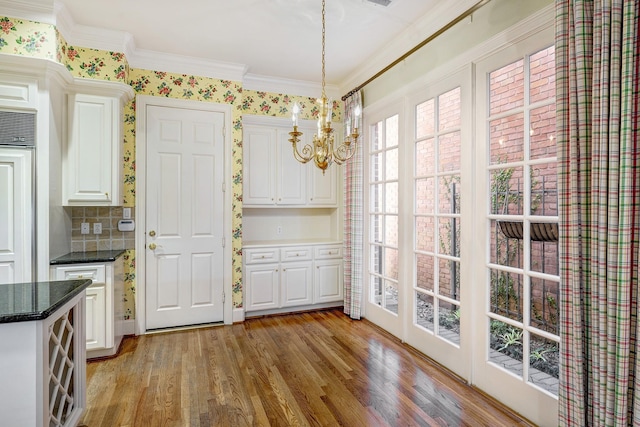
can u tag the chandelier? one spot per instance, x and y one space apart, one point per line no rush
324 152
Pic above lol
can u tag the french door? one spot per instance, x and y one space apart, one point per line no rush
517 280
440 182
384 303
461 224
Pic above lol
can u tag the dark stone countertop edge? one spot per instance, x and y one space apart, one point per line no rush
88 257
79 286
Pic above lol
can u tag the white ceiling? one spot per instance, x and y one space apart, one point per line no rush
265 38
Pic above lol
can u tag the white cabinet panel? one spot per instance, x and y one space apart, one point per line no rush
92 166
18 93
261 255
15 215
291 174
95 307
296 283
296 253
259 163
323 188
262 286
92 158
328 281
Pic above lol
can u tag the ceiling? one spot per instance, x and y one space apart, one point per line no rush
267 38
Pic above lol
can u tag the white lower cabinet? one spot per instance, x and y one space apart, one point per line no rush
278 278
296 284
104 303
264 291
96 305
328 281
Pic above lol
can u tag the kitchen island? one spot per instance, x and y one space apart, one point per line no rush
42 353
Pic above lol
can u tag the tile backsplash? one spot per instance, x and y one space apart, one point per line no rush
110 238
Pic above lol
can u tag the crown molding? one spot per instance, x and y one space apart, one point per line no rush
151 60
32 10
288 86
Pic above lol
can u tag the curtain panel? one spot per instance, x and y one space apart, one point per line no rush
597 64
353 217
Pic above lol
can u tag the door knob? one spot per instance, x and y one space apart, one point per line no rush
152 233
152 246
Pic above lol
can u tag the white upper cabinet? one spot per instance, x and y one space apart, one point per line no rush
259 166
92 163
323 188
291 174
273 177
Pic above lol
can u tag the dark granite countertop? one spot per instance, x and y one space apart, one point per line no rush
24 302
87 257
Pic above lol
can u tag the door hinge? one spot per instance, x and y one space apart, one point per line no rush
224 187
223 297
224 242
224 131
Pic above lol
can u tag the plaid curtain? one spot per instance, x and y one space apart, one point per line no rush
597 62
353 211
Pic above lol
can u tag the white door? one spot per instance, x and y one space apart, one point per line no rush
184 217
16 215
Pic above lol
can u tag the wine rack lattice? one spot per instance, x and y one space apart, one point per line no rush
61 370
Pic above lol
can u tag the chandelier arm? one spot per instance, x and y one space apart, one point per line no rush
302 156
343 153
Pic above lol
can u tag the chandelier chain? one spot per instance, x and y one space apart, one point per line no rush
323 62
322 150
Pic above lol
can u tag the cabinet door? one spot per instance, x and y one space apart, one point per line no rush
292 175
295 282
328 281
15 216
93 163
96 302
258 166
262 287
323 188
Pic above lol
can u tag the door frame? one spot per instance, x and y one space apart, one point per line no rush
142 101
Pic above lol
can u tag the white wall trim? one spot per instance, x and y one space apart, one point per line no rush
142 101
238 315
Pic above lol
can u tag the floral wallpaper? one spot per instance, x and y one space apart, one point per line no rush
44 41
22 37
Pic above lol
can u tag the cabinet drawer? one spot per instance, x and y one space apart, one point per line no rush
74 272
326 252
295 253
261 255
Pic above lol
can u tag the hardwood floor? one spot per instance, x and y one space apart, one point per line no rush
310 369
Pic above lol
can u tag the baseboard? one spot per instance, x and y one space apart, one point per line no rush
129 327
238 315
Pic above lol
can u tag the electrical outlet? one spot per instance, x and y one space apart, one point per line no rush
279 230
97 228
84 228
